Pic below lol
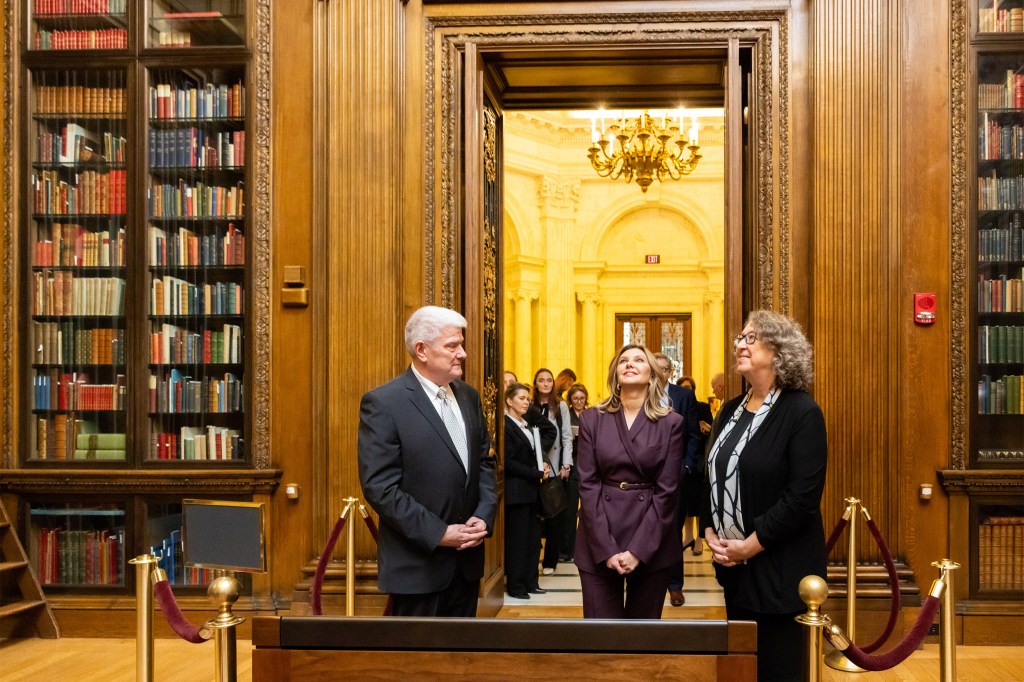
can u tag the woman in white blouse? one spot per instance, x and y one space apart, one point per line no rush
559 456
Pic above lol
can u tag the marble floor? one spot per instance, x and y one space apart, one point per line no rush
563 588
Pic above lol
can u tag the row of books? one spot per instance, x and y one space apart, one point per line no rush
80 99
172 344
212 100
101 446
61 292
1009 94
173 296
175 393
184 248
1000 294
173 39
90 192
79 39
1004 395
999 142
47 7
1002 243
57 435
1001 553
65 343
72 245
183 200
995 20
77 144
78 557
196 148
55 390
1000 344
197 443
169 554
1000 194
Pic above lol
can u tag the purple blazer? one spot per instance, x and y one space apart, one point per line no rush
641 520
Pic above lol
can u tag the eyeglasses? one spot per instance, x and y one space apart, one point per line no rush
579 398
749 338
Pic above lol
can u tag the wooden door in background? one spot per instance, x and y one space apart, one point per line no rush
667 333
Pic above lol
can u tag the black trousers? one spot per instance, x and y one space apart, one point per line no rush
779 643
689 491
456 600
640 594
552 538
567 543
522 547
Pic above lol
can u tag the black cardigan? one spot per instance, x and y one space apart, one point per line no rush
782 475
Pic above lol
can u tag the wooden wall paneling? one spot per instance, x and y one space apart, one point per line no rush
296 416
851 271
365 319
734 210
921 263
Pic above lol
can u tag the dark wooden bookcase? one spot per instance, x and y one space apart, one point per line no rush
135 261
989 491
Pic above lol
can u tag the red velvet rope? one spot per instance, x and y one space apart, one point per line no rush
321 567
175 618
899 653
894 584
836 532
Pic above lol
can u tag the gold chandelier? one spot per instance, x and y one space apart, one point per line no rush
643 149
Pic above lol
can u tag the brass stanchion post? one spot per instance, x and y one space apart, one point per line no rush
350 560
836 659
947 622
144 564
224 591
813 592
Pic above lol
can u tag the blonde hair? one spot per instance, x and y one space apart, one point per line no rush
654 405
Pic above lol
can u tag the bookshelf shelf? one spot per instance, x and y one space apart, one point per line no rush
111 115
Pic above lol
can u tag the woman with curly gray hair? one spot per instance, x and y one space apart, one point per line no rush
765 472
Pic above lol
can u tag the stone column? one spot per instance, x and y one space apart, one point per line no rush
589 370
524 335
558 199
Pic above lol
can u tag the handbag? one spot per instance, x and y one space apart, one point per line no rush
553 499
552 493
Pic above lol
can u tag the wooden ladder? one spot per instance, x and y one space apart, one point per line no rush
24 611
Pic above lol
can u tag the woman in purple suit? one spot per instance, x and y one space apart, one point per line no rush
629 461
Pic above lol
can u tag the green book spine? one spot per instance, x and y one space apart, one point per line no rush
100 454
100 441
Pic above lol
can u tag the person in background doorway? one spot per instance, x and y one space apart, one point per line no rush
684 403
578 399
563 381
761 507
535 418
559 455
718 390
425 467
629 461
689 498
524 470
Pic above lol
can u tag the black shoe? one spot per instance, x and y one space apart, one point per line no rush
538 590
519 595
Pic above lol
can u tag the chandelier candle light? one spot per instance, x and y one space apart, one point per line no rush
644 149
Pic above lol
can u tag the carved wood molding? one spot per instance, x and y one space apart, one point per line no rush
958 288
983 481
445 39
260 202
121 481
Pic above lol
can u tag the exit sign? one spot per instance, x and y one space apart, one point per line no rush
653 259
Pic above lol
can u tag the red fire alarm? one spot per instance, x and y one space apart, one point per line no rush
924 308
653 259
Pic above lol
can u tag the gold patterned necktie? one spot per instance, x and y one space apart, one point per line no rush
455 429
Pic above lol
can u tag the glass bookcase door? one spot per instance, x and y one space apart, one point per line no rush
77 248
999 300
999 570
1000 16
77 545
78 25
196 23
196 254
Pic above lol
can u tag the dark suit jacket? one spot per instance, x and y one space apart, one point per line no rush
413 478
614 520
782 476
522 477
548 431
684 402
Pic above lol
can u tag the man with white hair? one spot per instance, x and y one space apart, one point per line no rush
425 468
